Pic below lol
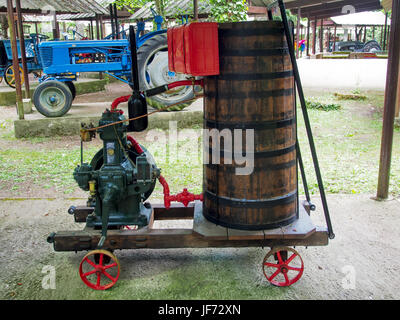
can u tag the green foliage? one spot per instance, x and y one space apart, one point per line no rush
322 106
228 10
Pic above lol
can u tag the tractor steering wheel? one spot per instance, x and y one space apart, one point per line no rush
39 36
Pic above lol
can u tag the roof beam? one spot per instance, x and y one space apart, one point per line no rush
305 3
336 12
338 6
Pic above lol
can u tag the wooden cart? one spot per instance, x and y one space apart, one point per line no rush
204 234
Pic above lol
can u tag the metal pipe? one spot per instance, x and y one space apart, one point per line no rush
22 49
392 79
306 120
14 49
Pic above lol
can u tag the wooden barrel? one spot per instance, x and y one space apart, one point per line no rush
255 90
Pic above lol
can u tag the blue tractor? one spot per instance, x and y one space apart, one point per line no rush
62 62
32 56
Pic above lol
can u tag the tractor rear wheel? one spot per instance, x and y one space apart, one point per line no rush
52 98
153 72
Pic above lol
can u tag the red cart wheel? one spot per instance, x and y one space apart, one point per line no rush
283 266
99 269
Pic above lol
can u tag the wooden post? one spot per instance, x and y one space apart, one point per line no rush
195 10
391 90
55 27
91 29
14 49
365 34
116 21
334 40
385 32
112 21
22 48
314 35
97 27
321 36
298 32
308 37
102 27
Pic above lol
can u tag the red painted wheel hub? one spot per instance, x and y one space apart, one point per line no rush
99 269
283 266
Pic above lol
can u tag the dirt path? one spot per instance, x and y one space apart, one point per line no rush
366 246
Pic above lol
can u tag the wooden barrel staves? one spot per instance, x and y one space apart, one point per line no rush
254 91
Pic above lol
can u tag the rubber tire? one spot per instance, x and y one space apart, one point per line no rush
72 88
370 45
159 40
45 111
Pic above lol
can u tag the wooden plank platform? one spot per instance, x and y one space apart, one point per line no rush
204 234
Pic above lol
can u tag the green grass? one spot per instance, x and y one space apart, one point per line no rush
347 142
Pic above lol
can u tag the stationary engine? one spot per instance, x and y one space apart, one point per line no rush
120 177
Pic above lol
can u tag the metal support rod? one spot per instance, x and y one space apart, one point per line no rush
392 78
22 48
195 10
303 173
14 49
385 32
306 120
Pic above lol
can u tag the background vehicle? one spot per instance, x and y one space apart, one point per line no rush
32 55
63 60
356 46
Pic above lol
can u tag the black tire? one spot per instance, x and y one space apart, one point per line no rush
146 55
372 46
72 88
52 98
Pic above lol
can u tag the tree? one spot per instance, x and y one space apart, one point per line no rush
220 10
4 26
228 10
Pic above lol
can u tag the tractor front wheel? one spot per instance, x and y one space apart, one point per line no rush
52 98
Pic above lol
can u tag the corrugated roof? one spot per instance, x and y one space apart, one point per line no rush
173 8
65 6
